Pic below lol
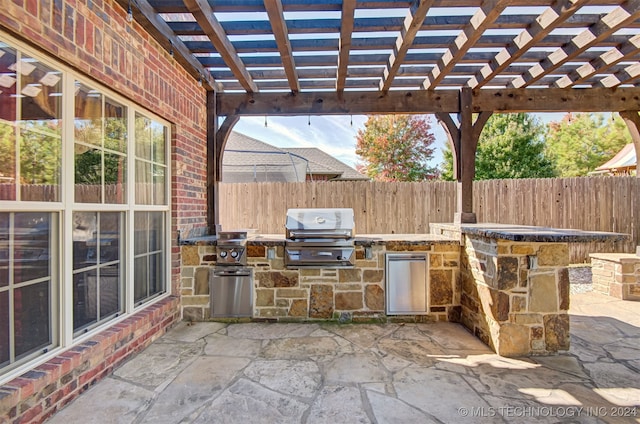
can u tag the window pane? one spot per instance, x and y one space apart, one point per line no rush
31 252
85 299
40 141
88 170
115 126
159 141
156 231
40 163
143 137
88 115
141 278
4 249
156 274
114 178
32 314
7 156
141 240
109 290
84 231
159 184
109 237
4 328
8 79
143 183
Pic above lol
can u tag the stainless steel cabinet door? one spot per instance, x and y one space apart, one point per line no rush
406 288
231 294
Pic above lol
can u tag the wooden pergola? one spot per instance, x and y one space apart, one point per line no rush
461 60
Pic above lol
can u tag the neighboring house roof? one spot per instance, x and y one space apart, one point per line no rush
624 160
244 151
323 163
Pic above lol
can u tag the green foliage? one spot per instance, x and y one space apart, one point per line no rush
582 142
396 148
510 146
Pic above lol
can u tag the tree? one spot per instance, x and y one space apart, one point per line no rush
510 146
582 142
396 148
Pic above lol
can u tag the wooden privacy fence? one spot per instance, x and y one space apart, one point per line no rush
597 204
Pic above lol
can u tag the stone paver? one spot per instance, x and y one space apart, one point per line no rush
388 373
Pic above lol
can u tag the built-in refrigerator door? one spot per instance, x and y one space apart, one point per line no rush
406 284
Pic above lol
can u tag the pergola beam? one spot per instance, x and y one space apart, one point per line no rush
531 36
412 24
429 101
344 48
281 34
626 13
147 16
480 22
202 12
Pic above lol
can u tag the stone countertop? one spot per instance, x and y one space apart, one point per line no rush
527 233
360 240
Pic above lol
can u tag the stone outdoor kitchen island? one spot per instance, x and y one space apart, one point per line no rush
508 285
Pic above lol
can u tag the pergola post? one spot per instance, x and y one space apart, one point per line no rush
216 139
632 119
463 139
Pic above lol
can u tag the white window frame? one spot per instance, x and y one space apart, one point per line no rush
62 274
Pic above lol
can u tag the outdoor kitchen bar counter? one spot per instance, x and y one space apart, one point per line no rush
508 284
360 240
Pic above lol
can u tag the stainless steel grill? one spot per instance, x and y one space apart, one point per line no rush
319 238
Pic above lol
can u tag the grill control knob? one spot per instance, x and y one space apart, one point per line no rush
234 254
223 254
339 258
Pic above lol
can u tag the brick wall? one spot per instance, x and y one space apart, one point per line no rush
94 37
37 394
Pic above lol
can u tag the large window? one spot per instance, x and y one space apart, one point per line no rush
84 206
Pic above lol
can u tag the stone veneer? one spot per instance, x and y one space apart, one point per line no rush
344 294
515 295
515 284
616 275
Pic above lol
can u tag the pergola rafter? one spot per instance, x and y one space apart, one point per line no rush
344 43
202 12
533 35
627 12
280 32
412 23
479 22
627 50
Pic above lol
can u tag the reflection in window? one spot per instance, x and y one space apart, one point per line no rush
149 255
100 147
97 276
27 289
30 123
151 180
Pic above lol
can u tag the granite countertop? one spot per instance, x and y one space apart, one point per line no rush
362 239
528 233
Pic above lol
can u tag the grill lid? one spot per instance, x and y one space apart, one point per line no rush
320 220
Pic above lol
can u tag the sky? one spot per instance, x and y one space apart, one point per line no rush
335 135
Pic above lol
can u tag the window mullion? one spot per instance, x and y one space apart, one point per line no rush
65 327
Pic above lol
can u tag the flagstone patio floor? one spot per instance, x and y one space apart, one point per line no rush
369 373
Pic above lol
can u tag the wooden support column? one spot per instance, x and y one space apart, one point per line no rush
463 138
632 119
216 139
